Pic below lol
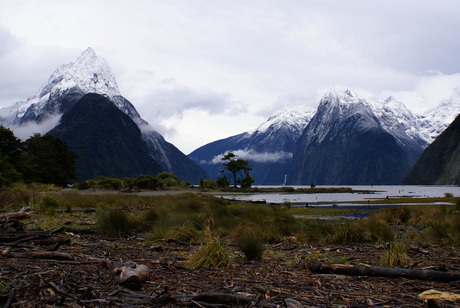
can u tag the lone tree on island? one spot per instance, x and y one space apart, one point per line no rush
239 170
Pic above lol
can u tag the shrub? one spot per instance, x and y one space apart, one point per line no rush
128 183
222 182
88 184
81 186
144 181
115 223
49 204
246 182
101 207
167 179
208 184
250 240
109 183
395 256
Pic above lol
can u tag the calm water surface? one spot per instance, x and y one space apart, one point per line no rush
378 192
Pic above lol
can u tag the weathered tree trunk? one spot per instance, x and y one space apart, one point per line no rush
377 271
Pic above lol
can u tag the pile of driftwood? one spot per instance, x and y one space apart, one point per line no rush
18 242
126 282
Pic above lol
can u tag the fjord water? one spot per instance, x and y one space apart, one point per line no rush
369 193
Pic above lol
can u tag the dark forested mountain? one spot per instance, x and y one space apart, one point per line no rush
354 141
268 149
67 85
107 141
440 162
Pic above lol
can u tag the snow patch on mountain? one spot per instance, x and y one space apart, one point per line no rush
296 118
436 120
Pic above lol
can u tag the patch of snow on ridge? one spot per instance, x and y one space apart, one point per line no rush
296 117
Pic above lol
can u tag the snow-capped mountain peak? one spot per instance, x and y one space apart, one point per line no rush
340 94
89 72
340 103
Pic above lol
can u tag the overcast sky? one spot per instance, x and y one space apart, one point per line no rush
202 70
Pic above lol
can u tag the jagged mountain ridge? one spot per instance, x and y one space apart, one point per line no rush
439 164
351 140
389 121
268 148
91 74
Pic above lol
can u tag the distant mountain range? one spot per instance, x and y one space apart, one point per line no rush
67 87
347 140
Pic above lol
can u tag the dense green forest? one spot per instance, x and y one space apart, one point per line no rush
44 159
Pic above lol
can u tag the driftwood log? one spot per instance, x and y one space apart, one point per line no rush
229 299
377 271
18 215
55 255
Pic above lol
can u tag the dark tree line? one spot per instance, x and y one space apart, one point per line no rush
43 159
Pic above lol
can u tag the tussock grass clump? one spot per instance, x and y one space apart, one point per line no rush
367 230
312 231
250 240
395 214
19 195
115 223
438 224
212 254
395 256
188 232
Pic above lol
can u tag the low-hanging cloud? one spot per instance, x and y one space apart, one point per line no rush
254 156
27 130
